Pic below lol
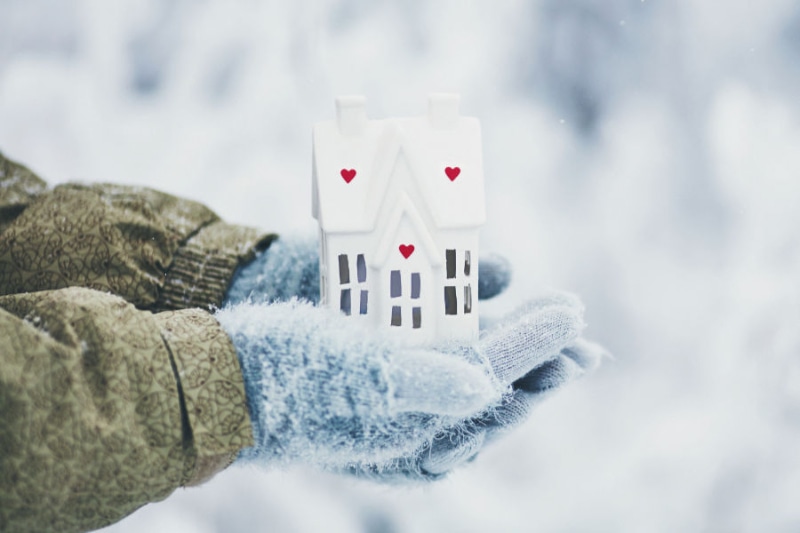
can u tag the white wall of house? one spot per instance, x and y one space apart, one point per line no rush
418 297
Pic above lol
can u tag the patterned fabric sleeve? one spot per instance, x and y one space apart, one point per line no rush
106 402
154 250
93 422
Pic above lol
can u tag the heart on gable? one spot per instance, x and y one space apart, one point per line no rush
348 174
452 172
406 250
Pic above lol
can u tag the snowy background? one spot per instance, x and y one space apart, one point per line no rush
644 154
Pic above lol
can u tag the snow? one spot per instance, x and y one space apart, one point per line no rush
649 166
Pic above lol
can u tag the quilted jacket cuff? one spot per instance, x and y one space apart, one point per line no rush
203 267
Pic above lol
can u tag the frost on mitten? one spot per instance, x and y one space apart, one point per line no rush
288 269
321 390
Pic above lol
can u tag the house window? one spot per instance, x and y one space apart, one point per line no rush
361 268
450 256
415 285
453 273
416 317
409 298
344 301
349 290
395 285
344 269
450 302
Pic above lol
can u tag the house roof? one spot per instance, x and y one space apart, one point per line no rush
355 158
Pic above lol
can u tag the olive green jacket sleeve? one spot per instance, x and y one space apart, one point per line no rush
116 384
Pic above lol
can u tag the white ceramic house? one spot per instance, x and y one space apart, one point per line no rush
399 203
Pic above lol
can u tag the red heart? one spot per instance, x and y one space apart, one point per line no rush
452 172
348 174
406 250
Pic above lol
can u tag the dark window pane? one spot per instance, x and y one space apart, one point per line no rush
363 302
416 317
396 288
450 256
344 269
468 299
344 301
450 303
467 263
415 285
396 321
361 268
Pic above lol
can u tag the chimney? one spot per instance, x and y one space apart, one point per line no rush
351 114
443 109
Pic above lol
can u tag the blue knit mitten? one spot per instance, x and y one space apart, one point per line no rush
514 343
321 390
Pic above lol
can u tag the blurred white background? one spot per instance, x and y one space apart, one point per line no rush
644 154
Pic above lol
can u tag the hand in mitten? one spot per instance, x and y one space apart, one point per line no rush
323 391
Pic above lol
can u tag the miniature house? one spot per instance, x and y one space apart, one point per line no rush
399 203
